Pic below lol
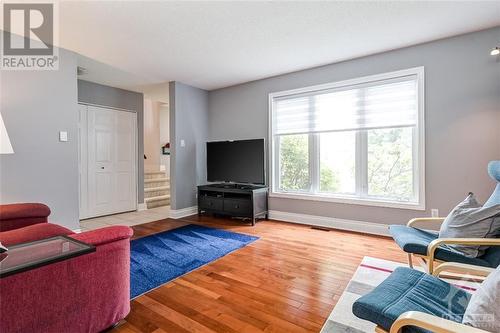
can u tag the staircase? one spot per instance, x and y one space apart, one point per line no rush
156 189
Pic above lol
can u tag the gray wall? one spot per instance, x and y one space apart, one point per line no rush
98 94
36 105
462 110
188 122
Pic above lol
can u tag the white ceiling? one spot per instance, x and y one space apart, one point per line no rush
217 44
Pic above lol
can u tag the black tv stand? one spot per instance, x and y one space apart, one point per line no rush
235 200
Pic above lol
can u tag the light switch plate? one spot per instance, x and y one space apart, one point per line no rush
435 212
183 143
63 136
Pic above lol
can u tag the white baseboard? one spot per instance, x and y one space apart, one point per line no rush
331 222
179 213
142 206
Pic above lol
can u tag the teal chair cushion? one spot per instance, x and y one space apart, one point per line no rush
410 290
413 240
492 255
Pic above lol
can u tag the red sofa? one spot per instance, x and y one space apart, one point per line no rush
89 293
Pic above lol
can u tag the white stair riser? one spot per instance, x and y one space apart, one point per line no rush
154 175
155 194
158 203
156 184
159 188
157 198
160 179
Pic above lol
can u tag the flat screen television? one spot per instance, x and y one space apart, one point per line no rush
240 161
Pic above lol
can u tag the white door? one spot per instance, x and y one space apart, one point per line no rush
111 180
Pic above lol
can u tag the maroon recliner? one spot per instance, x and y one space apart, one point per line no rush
88 293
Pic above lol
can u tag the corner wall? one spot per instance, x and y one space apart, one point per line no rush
35 106
151 135
165 136
462 119
188 122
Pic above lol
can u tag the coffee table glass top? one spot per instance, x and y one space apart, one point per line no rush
27 256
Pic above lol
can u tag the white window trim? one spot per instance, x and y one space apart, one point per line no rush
420 151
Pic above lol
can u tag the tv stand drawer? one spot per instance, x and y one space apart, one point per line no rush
211 203
238 207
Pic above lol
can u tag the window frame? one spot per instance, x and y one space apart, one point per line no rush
418 147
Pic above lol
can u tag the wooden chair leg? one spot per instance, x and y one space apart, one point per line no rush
423 263
430 266
410 260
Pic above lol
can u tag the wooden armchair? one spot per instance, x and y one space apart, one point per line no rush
436 254
426 246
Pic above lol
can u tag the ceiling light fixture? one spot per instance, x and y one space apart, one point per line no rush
495 51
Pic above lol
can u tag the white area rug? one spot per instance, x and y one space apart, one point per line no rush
370 273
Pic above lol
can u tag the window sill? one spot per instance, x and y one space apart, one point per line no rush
349 200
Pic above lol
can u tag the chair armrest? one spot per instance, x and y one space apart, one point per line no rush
23 210
434 245
466 269
425 219
15 216
104 235
461 241
431 323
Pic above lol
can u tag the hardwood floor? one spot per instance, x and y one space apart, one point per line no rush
287 281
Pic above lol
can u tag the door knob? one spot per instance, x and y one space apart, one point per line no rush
102 168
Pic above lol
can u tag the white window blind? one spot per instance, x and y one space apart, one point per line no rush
379 104
357 141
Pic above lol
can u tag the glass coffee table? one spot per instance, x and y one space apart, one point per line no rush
26 256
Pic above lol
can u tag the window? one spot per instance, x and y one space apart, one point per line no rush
357 141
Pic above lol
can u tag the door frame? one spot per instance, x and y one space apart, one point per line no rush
136 159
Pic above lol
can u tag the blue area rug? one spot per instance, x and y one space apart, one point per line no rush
159 258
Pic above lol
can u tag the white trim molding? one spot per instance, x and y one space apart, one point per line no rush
331 222
142 206
180 213
348 200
